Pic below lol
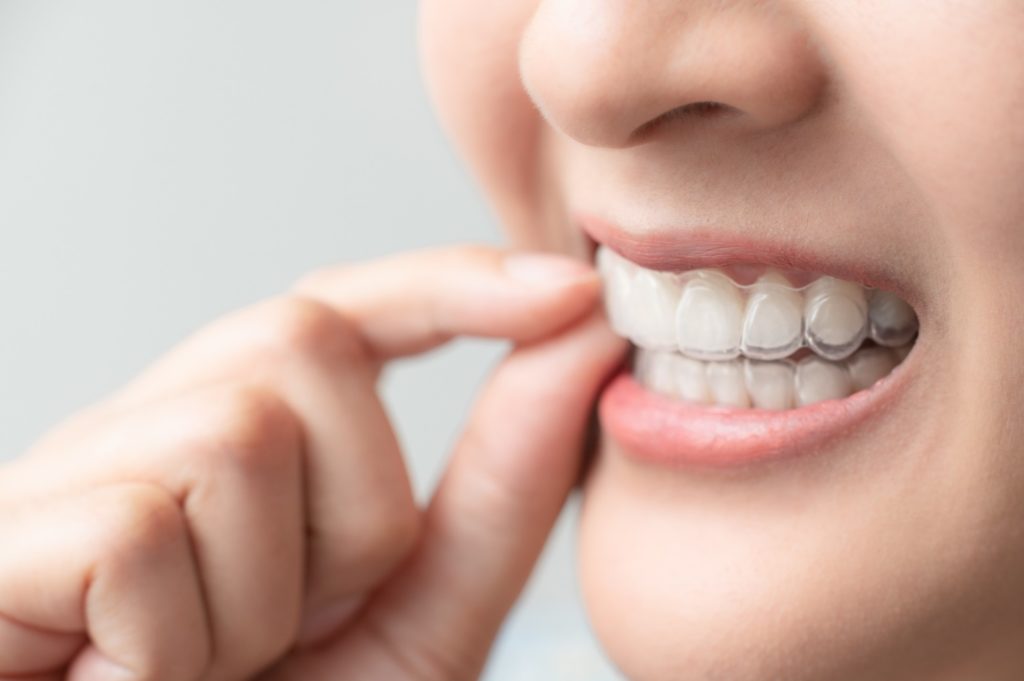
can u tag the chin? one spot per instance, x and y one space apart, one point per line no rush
808 569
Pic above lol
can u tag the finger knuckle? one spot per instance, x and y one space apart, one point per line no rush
138 518
306 328
247 428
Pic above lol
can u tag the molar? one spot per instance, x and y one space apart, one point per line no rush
867 365
892 321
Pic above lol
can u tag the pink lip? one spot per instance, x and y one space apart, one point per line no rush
694 248
661 430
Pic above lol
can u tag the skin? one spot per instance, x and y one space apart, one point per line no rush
249 489
880 135
241 510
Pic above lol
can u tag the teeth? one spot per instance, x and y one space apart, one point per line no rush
617 274
868 365
709 319
671 374
836 317
705 315
656 370
818 380
770 384
892 321
651 309
773 323
728 387
691 380
774 385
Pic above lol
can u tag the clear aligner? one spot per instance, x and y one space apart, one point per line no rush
774 385
707 316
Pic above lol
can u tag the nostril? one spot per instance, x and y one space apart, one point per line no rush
701 109
608 73
695 110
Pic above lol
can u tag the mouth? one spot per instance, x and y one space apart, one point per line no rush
744 353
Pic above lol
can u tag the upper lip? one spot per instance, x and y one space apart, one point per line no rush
708 247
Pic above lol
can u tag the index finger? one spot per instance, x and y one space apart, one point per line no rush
412 302
396 306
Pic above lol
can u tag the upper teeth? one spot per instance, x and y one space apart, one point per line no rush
705 315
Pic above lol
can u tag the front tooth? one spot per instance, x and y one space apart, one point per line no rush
709 318
669 373
691 380
770 384
818 380
618 274
651 307
867 365
727 384
654 370
892 321
835 315
773 323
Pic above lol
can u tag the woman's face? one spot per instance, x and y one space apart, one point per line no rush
881 141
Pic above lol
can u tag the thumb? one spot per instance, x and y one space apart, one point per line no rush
487 523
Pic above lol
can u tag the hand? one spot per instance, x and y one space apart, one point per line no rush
243 509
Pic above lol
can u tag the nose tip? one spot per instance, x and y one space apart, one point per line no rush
611 73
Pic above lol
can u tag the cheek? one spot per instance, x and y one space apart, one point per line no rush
943 85
469 51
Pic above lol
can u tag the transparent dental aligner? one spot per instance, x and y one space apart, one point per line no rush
772 384
891 321
617 273
835 317
705 315
773 325
709 316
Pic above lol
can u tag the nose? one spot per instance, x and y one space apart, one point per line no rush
612 73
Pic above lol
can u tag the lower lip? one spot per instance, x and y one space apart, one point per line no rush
660 430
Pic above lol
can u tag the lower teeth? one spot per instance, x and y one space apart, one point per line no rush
781 384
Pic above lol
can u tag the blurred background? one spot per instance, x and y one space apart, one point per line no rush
164 163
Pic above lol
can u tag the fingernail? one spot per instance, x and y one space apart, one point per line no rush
327 619
546 269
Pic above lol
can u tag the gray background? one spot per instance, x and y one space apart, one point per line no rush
164 163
